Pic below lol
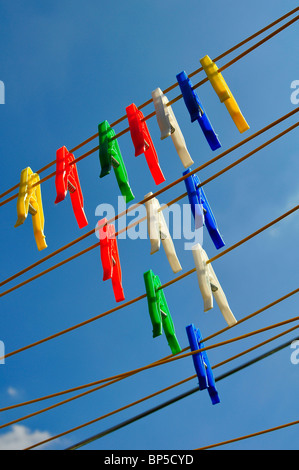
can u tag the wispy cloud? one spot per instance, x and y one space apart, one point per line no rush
21 437
12 392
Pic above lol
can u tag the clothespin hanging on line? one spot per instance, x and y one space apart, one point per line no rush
30 201
201 209
158 230
201 364
110 258
210 286
159 311
67 179
196 110
110 155
169 126
143 143
223 92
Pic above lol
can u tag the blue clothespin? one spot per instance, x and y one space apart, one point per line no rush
201 364
196 110
198 201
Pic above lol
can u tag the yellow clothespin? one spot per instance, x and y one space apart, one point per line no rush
30 201
220 86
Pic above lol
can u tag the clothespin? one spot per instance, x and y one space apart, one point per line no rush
143 143
159 311
30 201
110 258
210 286
169 126
158 230
110 155
225 95
196 110
201 209
67 179
201 364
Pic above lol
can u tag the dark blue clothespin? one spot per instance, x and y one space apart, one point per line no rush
201 209
196 110
201 364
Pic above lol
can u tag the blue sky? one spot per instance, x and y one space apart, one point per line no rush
66 67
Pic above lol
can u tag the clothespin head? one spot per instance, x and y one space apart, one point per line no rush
159 311
106 147
162 113
67 179
63 159
196 110
201 208
225 95
142 141
110 156
30 202
202 364
169 126
216 79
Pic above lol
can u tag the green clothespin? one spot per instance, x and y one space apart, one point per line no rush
159 311
110 155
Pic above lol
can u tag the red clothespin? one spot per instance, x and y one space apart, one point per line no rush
110 258
143 143
67 179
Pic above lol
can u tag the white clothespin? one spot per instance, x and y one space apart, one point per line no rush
158 230
168 126
209 285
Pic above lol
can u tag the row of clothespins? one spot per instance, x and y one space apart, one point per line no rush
67 179
159 312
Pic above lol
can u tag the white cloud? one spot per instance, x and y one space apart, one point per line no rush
12 392
21 437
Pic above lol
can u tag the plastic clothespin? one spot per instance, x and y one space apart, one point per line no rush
110 258
110 155
169 126
143 143
210 286
158 230
196 110
67 179
159 311
201 364
30 201
222 90
201 209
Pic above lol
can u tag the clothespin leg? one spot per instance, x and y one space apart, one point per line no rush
78 209
221 299
203 276
153 164
38 227
171 254
168 325
117 285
